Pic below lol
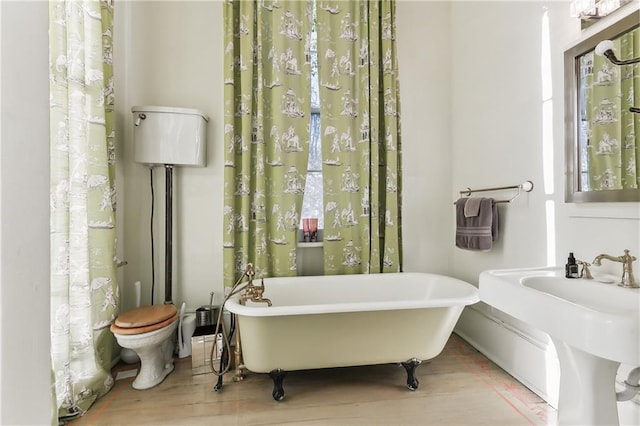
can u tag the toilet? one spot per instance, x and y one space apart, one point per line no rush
150 332
163 137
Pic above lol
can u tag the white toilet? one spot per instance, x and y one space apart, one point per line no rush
163 137
150 332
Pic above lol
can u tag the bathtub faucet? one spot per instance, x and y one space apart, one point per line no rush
627 270
254 293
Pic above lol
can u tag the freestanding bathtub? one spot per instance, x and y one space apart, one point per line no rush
349 320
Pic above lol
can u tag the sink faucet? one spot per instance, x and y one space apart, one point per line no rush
627 270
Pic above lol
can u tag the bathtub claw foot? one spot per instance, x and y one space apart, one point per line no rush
217 387
277 376
410 366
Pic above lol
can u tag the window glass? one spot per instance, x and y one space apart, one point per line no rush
315 149
312 203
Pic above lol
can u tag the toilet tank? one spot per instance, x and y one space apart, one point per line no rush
168 135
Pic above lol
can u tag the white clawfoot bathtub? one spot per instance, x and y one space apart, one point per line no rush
349 320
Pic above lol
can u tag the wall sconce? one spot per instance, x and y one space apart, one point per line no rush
605 7
606 48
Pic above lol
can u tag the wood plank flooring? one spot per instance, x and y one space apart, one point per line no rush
458 387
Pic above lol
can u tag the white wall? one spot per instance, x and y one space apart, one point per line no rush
172 56
496 137
25 362
425 87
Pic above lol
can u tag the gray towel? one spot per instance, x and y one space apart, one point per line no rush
472 206
477 232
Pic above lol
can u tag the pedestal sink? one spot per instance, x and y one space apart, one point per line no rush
594 326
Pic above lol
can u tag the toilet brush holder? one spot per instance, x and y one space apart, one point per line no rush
206 315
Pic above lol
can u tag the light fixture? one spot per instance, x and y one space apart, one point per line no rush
606 48
605 7
583 8
593 9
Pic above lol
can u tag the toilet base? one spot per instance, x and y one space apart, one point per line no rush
156 362
155 350
129 356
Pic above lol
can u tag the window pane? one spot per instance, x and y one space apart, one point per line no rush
315 151
313 50
315 88
312 204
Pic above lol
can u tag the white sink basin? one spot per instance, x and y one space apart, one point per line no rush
594 295
594 326
601 319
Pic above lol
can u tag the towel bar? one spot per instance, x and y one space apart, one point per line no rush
526 186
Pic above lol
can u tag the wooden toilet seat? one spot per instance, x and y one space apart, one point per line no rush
145 319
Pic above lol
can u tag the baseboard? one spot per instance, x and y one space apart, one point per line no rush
532 362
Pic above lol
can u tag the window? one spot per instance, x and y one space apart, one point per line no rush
312 203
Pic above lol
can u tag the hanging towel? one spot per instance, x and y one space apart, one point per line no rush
477 232
472 206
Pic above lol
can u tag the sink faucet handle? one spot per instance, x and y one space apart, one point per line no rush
585 272
628 280
627 257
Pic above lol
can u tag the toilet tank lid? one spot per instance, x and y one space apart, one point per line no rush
171 110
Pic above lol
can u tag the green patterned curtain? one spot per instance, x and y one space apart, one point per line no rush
267 109
360 112
84 288
613 152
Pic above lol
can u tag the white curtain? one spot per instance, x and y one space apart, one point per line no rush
84 288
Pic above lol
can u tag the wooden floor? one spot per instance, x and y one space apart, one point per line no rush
459 387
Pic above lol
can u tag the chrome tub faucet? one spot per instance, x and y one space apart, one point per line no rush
627 270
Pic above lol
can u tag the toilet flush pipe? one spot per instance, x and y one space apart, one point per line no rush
168 237
631 386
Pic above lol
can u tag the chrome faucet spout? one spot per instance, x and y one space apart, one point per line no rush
598 259
626 259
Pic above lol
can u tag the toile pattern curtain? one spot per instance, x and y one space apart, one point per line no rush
266 133
84 288
359 93
613 151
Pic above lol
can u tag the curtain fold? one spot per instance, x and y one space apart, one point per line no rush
613 151
266 133
84 288
361 145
